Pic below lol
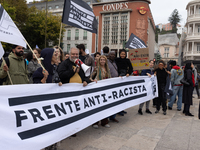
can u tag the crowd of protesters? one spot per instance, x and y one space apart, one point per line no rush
62 68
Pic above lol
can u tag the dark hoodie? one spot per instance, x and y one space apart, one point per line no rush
124 66
47 54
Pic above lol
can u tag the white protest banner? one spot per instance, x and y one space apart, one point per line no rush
1 51
9 32
35 116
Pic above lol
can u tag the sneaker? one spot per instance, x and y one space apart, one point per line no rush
169 108
178 109
183 111
164 113
107 126
148 111
140 112
157 111
95 126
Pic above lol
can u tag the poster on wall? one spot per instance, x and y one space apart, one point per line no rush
139 58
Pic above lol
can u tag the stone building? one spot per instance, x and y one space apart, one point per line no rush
118 19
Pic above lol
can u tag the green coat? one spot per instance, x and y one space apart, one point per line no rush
17 69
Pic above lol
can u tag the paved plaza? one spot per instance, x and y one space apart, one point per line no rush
175 131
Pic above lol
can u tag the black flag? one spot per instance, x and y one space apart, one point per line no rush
135 42
79 14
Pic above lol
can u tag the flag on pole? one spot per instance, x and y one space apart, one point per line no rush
9 32
1 51
79 14
135 42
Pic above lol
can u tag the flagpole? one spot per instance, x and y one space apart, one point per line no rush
60 34
34 55
7 72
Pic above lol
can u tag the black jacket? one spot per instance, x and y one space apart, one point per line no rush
65 71
124 65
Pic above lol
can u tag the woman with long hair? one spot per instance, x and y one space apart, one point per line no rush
124 65
188 89
101 72
60 55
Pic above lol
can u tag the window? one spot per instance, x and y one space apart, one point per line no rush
163 27
115 28
76 34
68 34
115 20
50 7
166 54
198 29
85 46
124 27
198 47
106 29
85 35
68 47
57 7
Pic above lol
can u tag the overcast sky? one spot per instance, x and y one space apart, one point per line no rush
162 9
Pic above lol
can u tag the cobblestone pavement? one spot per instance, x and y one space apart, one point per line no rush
175 131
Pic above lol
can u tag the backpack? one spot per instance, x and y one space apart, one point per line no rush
8 64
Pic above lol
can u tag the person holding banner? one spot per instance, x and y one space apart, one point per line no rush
69 72
17 67
125 68
50 74
114 73
124 64
161 74
146 72
101 72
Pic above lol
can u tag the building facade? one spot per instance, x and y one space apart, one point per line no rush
73 36
168 27
169 46
191 43
118 19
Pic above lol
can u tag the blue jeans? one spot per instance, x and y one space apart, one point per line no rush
178 90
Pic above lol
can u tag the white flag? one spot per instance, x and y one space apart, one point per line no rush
9 32
1 51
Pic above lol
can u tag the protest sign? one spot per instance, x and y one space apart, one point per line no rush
139 58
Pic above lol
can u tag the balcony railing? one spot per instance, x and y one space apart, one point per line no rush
192 53
194 15
195 34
